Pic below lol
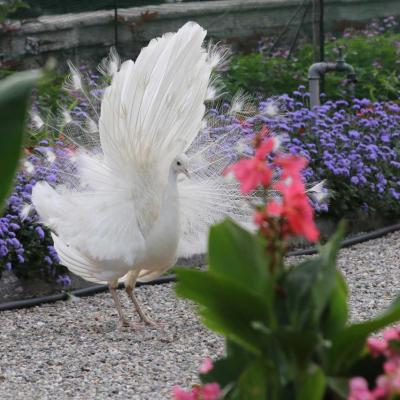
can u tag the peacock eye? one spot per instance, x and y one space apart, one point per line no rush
178 163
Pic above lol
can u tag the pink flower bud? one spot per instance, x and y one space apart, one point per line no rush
391 334
359 389
180 394
376 346
206 366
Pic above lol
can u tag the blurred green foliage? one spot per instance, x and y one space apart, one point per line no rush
8 7
15 93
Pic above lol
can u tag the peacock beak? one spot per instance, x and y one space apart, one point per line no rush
186 172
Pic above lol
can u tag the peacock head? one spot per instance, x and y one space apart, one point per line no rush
180 165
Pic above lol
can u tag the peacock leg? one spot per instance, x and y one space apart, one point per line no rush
113 290
130 283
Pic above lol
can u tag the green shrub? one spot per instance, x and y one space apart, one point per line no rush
375 59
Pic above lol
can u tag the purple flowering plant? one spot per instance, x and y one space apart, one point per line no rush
25 246
353 145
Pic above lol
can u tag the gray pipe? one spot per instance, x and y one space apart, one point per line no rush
317 70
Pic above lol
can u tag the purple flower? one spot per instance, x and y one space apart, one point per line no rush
3 251
40 232
48 260
64 280
394 193
353 134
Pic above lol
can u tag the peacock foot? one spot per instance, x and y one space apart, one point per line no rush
149 322
124 323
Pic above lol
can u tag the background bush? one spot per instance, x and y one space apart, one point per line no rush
374 53
353 145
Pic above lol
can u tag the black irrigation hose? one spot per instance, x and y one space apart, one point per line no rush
91 290
88 291
365 237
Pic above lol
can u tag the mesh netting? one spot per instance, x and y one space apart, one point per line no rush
49 7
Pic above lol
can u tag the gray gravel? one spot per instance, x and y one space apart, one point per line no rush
73 350
372 270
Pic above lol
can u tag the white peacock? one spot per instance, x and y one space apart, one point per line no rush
147 184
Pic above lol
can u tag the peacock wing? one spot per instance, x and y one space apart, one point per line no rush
106 217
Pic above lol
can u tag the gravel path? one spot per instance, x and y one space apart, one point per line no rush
72 350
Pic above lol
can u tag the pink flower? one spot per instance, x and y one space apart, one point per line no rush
254 171
259 217
376 346
206 366
390 366
296 210
382 388
387 385
180 394
396 382
265 148
359 389
391 334
291 165
209 391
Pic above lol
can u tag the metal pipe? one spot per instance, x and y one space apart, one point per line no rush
318 70
318 31
116 24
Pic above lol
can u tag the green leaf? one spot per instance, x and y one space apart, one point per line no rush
339 386
227 307
309 286
298 345
300 286
252 384
227 370
336 314
239 256
14 97
348 345
314 386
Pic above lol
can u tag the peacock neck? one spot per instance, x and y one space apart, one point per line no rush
171 190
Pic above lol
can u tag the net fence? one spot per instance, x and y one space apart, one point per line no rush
38 8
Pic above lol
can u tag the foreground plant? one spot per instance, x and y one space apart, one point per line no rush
387 383
286 327
14 99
